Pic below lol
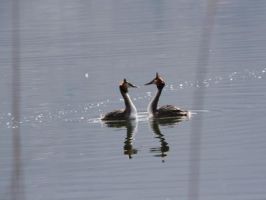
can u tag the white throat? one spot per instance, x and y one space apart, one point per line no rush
149 108
133 109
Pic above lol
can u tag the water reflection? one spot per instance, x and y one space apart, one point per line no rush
131 126
155 124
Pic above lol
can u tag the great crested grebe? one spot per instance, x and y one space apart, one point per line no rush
130 111
164 111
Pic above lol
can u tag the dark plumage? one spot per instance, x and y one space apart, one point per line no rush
116 114
170 111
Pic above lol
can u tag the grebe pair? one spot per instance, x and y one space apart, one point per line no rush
130 111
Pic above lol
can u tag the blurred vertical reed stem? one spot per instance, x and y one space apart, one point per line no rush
17 184
198 101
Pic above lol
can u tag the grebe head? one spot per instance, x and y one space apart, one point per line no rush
158 81
124 85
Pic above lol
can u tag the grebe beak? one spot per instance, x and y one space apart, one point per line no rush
152 82
131 85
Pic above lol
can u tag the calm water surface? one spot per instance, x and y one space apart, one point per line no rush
73 54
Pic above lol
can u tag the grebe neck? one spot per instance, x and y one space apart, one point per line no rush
130 108
154 103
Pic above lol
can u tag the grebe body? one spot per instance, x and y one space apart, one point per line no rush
168 111
130 111
164 111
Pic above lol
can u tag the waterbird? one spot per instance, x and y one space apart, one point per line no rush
164 111
130 111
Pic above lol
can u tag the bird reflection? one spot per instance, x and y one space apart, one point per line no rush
155 125
131 126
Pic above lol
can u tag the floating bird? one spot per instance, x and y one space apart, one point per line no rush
164 111
130 111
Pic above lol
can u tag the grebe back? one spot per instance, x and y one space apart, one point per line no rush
164 111
130 111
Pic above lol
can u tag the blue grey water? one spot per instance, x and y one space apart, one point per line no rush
73 54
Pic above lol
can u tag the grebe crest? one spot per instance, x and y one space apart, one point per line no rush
130 111
124 85
164 111
158 81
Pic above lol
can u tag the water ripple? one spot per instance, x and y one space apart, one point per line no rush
87 113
